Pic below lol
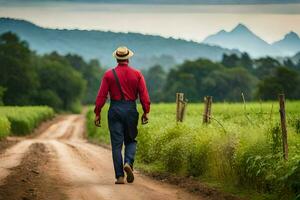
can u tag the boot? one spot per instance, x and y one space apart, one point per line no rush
120 180
129 173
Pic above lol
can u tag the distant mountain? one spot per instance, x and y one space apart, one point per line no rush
149 49
243 39
289 44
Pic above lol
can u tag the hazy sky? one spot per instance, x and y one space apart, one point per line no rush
191 22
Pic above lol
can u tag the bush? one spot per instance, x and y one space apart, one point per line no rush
296 124
4 127
174 156
24 119
198 158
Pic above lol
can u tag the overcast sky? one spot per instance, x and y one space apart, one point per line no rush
191 22
169 1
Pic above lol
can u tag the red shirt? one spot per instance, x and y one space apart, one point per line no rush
132 83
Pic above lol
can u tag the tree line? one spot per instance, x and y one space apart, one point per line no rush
66 82
62 82
257 79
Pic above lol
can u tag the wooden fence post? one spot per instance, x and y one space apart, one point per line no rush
283 125
179 100
207 109
181 104
183 109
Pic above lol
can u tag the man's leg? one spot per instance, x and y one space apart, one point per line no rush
130 149
117 137
129 160
130 125
130 119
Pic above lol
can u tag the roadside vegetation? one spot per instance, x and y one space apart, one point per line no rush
241 153
4 127
22 120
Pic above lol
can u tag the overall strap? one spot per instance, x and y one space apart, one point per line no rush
118 83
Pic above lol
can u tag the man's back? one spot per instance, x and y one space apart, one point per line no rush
129 79
132 84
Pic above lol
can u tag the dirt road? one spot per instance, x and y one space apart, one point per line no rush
60 164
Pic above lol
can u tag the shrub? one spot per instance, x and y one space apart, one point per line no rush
24 119
296 124
4 127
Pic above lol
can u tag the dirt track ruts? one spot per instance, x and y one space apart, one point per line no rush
60 164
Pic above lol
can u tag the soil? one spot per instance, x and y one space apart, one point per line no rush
193 185
30 180
5 143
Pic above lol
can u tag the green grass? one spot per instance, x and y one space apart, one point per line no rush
97 134
4 127
240 150
22 120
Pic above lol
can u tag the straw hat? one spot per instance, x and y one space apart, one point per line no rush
122 53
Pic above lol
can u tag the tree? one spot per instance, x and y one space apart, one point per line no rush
92 75
2 91
60 85
16 72
228 84
264 67
234 60
230 60
91 72
188 78
284 80
48 97
155 78
290 64
246 62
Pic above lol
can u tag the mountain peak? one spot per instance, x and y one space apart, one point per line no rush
241 28
243 39
222 32
291 35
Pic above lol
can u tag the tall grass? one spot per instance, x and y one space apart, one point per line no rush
97 134
24 119
4 127
242 148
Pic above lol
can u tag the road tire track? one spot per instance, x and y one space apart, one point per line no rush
30 180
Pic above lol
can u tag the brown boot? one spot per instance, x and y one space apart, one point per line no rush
129 173
120 180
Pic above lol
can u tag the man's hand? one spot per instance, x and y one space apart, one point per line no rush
144 118
97 120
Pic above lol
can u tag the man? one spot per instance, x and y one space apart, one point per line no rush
124 84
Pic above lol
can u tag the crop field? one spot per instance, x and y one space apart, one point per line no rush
241 147
22 120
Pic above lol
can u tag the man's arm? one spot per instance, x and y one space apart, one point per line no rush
102 95
144 96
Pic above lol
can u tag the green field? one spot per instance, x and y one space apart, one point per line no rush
22 120
240 151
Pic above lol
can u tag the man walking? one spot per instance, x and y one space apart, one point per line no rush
124 84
